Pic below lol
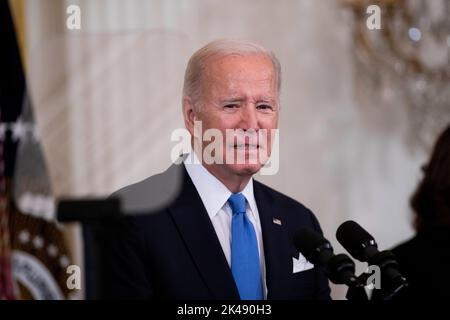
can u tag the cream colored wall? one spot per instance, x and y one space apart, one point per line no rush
108 97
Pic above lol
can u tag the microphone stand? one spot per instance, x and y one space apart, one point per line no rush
356 288
98 218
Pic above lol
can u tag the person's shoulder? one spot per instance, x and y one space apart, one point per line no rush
152 193
404 249
277 196
426 242
406 245
287 205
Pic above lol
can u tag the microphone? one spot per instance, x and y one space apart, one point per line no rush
340 269
362 246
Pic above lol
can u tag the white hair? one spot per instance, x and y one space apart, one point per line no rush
221 47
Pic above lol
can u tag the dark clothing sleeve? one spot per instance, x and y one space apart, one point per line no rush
129 276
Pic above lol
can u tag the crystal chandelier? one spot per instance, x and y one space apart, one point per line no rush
408 57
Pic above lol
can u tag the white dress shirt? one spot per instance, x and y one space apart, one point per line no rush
214 195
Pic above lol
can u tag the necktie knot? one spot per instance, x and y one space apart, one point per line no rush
237 203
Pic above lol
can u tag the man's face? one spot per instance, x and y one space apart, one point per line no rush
240 92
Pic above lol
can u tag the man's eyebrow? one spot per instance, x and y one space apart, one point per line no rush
240 99
266 99
233 99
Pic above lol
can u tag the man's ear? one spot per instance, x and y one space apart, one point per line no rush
189 114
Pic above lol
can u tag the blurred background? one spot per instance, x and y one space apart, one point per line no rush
361 107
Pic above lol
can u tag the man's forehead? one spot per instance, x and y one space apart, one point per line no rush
241 78
239 64
234 89
244 72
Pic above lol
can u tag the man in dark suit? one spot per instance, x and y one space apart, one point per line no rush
204 229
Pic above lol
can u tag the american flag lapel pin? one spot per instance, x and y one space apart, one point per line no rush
277 221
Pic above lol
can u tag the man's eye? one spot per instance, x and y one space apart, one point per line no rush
230 106
264 107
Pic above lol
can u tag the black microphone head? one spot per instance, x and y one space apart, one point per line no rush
355 239
340 269
309 243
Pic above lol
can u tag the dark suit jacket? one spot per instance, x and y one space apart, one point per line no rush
425 260
169 250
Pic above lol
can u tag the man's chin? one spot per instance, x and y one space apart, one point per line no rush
245 169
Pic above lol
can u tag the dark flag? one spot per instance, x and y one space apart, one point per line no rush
33 253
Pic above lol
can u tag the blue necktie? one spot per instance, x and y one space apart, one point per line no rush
244 251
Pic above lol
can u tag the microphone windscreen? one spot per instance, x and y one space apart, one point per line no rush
352 237
307 241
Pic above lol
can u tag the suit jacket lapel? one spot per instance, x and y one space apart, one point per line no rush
201 240
276 244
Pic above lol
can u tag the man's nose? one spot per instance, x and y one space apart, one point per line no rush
249 118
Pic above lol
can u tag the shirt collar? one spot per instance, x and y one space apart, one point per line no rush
212 191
